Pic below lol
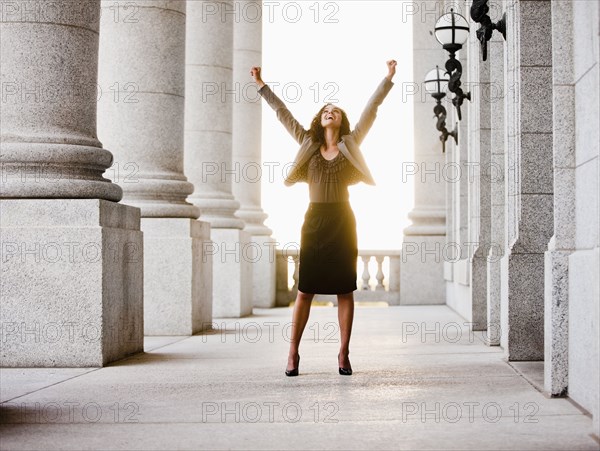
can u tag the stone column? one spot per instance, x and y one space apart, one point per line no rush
422 274
457 253
142 74
556 302
71 285
459 292
528 171
479 182
208 151
496 174
246 149
451 220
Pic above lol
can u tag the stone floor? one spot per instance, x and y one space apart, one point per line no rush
421 381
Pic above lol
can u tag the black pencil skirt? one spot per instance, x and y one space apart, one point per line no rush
328 249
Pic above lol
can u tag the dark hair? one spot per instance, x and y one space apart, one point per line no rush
317 132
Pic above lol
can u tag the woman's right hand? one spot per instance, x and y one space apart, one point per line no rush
255 72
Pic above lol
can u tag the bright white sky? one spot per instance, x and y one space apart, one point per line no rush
343 50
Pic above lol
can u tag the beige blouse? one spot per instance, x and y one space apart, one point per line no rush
328 180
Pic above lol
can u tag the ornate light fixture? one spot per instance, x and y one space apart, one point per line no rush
479 14
436 82
452 31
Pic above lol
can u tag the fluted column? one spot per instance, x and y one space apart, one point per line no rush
246 148
49 143
142 59
422 278
71 257
208 150
246 129
142 51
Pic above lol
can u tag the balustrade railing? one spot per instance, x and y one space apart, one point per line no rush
378 277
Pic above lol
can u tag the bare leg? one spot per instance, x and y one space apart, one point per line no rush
299 320
345 318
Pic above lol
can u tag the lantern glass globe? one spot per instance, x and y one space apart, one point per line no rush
452 29
436 81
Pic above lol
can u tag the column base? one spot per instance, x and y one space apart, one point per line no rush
232 255
177 279
493 300
522 306
263 271
556 321
458 291
72 282
479 290
584 363
422 270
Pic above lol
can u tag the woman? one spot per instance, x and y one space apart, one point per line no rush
329 160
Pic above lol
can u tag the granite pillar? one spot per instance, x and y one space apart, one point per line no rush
497 183
528 171
208 151
71 256
451 222
143 61
246 150
458 175
479 156
556 300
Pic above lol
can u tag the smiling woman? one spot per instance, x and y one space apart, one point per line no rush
322 61
329 160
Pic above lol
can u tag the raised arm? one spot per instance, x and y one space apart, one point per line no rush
369 114
283 114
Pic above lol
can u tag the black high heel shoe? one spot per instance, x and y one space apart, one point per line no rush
293 372
344 371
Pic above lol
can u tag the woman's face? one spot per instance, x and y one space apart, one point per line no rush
331 117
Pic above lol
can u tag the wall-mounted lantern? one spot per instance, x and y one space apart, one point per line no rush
479 14
452 31
436 82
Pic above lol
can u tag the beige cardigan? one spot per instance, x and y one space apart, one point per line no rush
349 144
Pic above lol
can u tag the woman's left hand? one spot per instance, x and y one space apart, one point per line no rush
391 64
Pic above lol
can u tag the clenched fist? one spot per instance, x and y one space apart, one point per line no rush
255 72
391 65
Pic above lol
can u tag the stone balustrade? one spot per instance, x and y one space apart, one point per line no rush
378 277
